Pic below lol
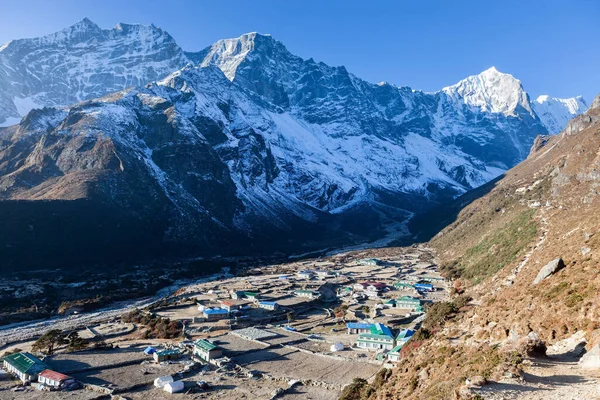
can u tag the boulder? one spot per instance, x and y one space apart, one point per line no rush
533 345
549 269
476 381
591 359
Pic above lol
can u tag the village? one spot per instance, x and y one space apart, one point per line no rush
302 329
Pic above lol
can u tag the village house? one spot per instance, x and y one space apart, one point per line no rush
358 327
237 295
232 305
167 355
268 305
55 379
252 296
424 287
206 350
369 261
401 339
24 366
403 285
404 336
380 337
370 286
311 294
394 354
305 274
323 274
409 303
213 314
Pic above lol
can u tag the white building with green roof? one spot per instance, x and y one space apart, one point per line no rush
394 354
24 365
408 302
206 350
380 337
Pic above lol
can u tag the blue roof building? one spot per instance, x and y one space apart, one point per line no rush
428 287
215 313
358 327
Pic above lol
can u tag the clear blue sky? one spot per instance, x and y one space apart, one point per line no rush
551 46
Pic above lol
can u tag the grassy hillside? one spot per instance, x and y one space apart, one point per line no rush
492 244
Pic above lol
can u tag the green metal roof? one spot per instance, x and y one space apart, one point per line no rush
408 299
26 363
167 352
369 337
204 345
396 349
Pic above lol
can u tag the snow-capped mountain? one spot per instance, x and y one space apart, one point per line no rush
556 113
81 62
244 140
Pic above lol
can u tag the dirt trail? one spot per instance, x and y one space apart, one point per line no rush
557 377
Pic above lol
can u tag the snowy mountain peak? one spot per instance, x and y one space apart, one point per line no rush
228 54
491 91
84 25
81 62
555 113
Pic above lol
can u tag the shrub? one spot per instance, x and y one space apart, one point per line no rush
359 389
437 315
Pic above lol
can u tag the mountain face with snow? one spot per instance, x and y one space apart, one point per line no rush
81 62
240 147
556 113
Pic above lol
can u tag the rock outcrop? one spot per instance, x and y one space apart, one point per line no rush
549 269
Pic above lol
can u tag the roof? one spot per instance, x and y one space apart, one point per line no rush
423 284
396 349
55 376
408 299
26 363
372 336
168 352
405 334
380 329
204 345
215 311
358 325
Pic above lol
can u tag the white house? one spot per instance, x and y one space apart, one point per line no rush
55 379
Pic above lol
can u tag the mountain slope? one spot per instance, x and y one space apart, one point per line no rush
543 209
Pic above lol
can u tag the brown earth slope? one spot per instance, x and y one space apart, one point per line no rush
545 208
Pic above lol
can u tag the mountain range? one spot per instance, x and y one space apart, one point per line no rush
240 147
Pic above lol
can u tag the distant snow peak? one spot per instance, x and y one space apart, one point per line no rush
491 91
555 113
